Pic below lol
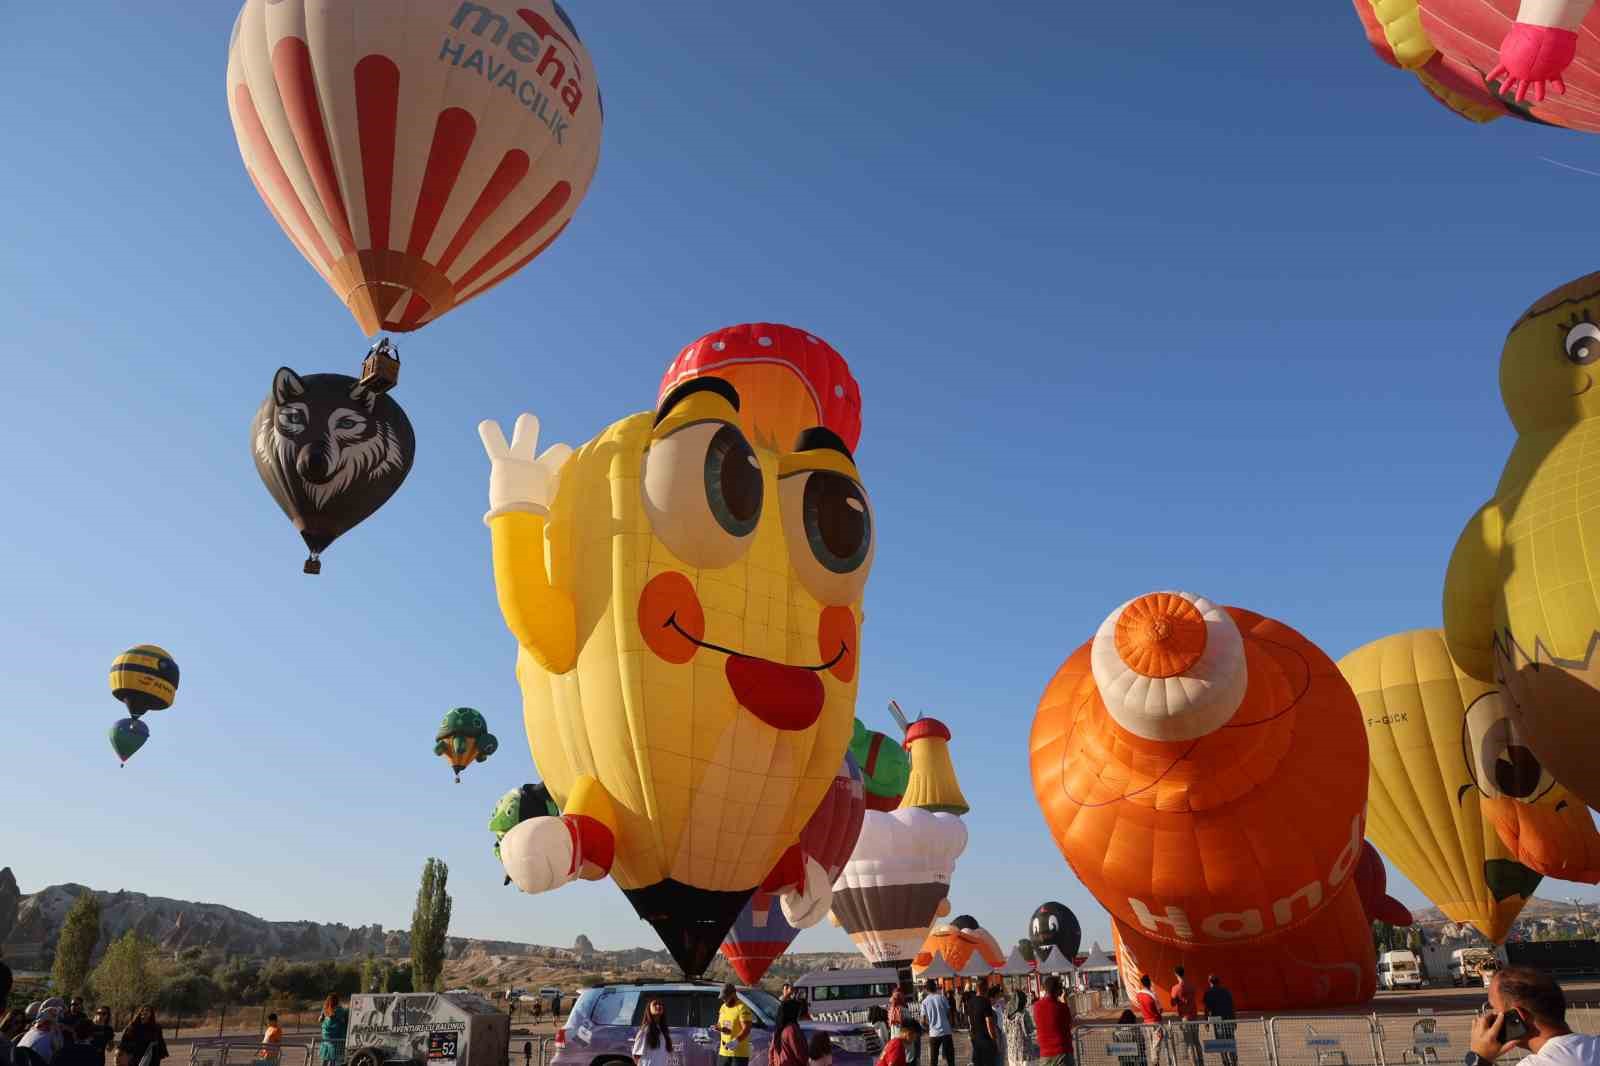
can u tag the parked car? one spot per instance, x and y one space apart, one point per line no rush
601 1027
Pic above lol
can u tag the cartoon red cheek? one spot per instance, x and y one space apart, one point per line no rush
670 617
836 640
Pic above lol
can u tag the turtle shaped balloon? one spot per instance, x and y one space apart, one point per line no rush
464 739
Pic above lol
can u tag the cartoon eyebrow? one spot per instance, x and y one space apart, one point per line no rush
689 388
1462 792
822 437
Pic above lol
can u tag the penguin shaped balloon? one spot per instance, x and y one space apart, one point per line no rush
144 678
1054 926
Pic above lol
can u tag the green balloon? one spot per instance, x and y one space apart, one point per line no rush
128 736
885 766
462 722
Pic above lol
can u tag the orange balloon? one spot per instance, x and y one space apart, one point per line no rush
958 941
1204 771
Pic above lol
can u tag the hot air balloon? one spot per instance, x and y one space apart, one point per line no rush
1456 802
704 720
788 380
415 157
464 739
144 678
761 932
332 449
127 737
1204 771
1521 600
1054 926
517 806
898 878
1486 59
958 941
884 764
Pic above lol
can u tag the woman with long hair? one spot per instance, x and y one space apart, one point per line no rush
789 1042
335 1021
142 1043
653 1044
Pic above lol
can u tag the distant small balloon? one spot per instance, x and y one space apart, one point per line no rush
127 737
464 739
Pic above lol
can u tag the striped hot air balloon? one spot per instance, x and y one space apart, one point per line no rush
416 154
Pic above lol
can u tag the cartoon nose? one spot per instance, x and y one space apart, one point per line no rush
315 462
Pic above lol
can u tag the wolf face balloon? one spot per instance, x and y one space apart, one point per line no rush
687 607
330 451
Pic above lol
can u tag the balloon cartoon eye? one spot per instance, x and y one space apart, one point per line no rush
703 493
291 418
1497 757
828 522
1054 924
1583 343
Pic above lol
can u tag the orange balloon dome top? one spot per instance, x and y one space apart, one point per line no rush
1204 759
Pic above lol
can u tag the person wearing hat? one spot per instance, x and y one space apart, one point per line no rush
40 1043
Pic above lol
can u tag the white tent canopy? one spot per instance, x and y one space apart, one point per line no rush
1057 962
1098 961
976 966
938 968
1015 965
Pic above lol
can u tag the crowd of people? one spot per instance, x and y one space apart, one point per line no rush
58 1032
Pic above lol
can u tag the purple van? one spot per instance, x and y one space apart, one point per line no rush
604 1020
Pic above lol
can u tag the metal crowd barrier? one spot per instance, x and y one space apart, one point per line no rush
1119 1045
239 1051
1324 1040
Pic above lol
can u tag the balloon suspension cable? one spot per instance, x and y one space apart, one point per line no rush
313 564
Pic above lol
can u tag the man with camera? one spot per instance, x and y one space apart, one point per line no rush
1527 1009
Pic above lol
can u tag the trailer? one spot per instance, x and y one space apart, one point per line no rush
428 1029
1559 958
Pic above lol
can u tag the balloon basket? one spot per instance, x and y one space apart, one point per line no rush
313 565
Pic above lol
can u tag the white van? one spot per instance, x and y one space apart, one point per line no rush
847 992
1399 969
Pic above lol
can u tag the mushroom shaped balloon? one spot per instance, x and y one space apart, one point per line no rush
1166 753
464 739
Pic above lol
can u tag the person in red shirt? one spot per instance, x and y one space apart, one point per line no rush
1183 1004
1150 1014
894 1053
1052 1022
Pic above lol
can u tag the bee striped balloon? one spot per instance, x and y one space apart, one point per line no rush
145 678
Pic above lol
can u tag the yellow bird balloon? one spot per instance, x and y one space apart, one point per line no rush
688 610
1424 811
1521 603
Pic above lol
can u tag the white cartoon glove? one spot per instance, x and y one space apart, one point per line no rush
538 854
517 480
806 908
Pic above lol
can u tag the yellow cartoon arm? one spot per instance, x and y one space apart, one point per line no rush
544 853
521 487
1470 585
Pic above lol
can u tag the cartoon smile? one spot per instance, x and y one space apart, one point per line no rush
1588 383
784 697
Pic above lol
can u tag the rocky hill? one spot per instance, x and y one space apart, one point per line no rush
30 925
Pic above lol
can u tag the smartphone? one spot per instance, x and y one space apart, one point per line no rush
1515 1027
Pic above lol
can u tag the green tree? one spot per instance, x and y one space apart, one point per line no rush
430 925
125 978
1025 947
80 932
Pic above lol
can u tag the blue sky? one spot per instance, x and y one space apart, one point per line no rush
1207 299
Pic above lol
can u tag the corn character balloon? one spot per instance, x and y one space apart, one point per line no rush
687 606
1204 771
464 739
1521 603
144 679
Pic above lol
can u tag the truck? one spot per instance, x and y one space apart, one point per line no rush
426 1028
1399 969
1560 958
1472 966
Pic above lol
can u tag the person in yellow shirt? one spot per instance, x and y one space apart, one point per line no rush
734 1022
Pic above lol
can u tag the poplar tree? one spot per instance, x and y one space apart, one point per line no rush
430 925
80 932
